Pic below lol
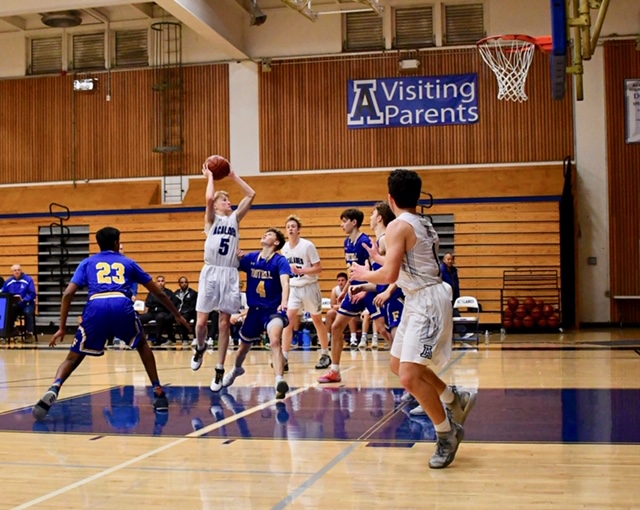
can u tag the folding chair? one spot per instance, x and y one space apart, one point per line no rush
466 325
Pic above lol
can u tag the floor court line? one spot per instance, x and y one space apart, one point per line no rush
345 453
144 456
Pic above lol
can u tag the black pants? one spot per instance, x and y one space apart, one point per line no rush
184 332
164 323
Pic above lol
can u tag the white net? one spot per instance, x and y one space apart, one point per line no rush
510 60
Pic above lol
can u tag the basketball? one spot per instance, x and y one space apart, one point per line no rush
536 312
553 321
512 303
507 323
547 310
528 321
539 303
218 166
542 322
508 313
521 311
529 303
517 323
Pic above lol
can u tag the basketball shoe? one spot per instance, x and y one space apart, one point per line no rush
41 409
447 446
463 402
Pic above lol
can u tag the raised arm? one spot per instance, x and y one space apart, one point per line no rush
210 213
249 195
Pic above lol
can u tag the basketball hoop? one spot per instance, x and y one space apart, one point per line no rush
509 57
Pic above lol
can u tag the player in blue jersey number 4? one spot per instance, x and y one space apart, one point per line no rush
268 274
109 313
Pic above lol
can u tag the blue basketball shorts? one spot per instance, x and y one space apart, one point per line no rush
355 309
107 317
256 321
393 310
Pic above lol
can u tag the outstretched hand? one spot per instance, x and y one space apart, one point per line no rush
358 272
184 322
57 337
373 251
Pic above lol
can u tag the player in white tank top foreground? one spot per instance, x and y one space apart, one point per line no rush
423 339
305 293
219 285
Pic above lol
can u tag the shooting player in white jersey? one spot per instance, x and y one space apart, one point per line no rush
423 339
219 285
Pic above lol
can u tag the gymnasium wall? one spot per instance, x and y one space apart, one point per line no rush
303 117
51 133
622 61
503 221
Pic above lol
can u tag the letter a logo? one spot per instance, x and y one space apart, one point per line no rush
363 105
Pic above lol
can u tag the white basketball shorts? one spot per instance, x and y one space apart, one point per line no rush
218 289
307 297
424 335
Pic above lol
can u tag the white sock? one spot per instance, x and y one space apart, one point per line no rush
447 395
364 336
335 368
374 337
324 352
219 366
445 426
279 378
286 355
354 337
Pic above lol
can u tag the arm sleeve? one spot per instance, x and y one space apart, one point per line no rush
80 276
314 256
31 291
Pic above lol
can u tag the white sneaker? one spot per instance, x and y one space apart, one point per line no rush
216 383
196 359
228 379
374 342
210 343
363 343
194 343
417 411
407 397
354 342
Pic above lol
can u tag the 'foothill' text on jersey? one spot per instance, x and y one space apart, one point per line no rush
264 289
356 252
221 246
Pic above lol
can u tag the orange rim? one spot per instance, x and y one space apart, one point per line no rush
545 42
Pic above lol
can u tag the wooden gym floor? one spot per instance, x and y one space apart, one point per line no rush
556 425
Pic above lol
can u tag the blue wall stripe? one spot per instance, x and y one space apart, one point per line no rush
311 205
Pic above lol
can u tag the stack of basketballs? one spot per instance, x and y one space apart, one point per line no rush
529 313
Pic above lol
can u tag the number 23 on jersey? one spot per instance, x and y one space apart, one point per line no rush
110 273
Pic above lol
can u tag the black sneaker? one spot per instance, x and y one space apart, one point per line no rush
286 365
281 389
41 409
325 361
161 402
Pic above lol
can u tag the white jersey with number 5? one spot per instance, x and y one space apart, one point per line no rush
420 265
221 246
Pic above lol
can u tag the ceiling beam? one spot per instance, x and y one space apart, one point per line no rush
145 8
98 14
15 21
218 21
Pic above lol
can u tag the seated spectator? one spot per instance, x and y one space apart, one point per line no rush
22 287
185 300
337 295
156 311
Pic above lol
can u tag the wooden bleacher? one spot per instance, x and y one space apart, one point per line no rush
489 237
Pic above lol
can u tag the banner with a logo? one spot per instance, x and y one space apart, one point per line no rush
413 101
